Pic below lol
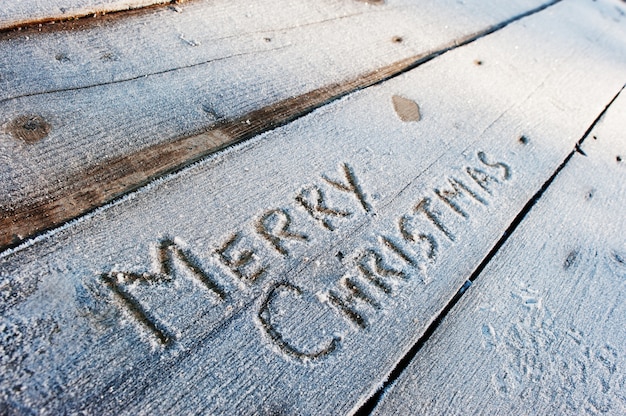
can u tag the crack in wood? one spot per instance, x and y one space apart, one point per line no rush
130 172
370 403
108 56
64 58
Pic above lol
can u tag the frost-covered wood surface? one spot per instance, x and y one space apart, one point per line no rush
17 13
291 273
121 99
543 329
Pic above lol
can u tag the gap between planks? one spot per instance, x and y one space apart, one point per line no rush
370 404
121 8
129 173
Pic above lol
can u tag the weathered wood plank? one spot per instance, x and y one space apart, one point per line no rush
542 330
94 108
14 14
157 304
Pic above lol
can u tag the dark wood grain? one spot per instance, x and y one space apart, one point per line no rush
89 152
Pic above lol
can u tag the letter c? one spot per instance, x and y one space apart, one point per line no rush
265 316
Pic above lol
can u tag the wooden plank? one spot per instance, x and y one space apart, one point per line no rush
14 14
542 330
88 114
233 285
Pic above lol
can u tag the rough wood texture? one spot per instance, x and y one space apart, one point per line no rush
108 104
14 14
542 330
290 273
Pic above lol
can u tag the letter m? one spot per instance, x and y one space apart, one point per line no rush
119 283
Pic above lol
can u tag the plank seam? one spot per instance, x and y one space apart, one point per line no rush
415 61
370 404
458 43
86 14
193 65
262 123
